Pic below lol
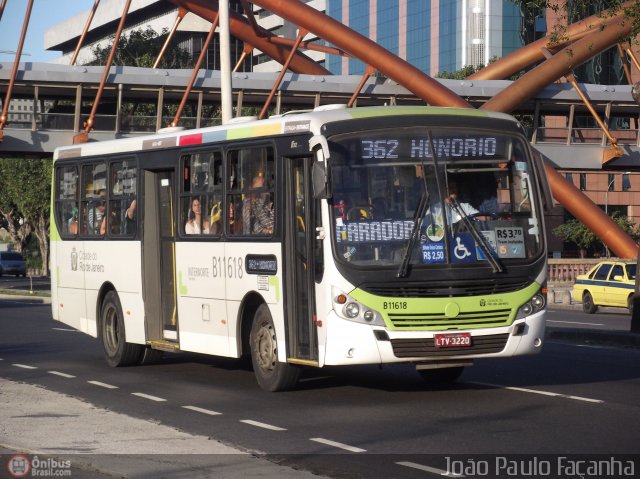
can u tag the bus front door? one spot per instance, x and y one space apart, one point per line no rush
161 314
299 264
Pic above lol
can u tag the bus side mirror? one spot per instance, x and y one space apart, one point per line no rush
320 180
320 170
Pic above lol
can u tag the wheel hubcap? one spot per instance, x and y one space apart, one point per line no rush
111 329
266 349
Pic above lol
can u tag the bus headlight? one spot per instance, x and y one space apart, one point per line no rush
534 305
352 310
348 308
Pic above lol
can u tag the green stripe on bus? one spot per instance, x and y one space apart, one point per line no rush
399 111
253 131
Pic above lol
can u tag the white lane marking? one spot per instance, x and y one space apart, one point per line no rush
262 425
543 393
63 375
103 385
24 366
1 359
202 410
337 444
65 329
433 470
573 322
148 396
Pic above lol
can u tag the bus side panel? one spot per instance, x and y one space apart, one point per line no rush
120 262
70 283
200 281
269 285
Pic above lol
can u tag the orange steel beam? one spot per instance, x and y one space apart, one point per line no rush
633 58
580 206
181 13
625 64
615 151
308 46
196 69
559 65
532 52
369 71
364 49
2 5
251 17
242 29
245 51
301 34
84 32
84 136
16 63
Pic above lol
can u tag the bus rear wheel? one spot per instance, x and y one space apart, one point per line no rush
271 374
117 351
441 376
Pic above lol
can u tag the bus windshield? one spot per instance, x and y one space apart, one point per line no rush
432 196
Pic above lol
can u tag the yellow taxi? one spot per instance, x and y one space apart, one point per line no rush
609 283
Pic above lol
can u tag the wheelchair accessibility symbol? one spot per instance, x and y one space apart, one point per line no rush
463 248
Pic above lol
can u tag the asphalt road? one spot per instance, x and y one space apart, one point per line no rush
356 422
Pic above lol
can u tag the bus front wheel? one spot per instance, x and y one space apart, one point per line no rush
271 374
117 351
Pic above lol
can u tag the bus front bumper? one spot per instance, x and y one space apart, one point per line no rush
355 343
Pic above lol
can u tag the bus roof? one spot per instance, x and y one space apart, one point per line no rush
292 122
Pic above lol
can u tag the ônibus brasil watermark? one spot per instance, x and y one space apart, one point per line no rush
20 466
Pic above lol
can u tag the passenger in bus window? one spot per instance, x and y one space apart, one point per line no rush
130 219
95 216
195 224
215 219
73 222
257 210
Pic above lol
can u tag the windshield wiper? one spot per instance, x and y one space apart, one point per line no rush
417 225
480 239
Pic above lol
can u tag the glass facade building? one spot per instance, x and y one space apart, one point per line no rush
433 35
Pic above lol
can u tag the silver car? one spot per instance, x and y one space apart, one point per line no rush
12 263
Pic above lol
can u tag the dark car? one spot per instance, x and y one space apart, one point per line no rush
12 263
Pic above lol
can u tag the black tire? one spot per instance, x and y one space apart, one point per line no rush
270 374
441 377
588 305
150 356
630 304
117 351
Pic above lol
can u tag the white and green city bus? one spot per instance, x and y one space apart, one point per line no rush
330 237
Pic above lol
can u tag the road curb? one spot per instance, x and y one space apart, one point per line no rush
24 296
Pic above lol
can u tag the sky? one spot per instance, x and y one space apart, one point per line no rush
44 15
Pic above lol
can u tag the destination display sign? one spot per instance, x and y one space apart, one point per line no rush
422 148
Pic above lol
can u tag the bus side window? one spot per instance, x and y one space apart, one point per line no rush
94 199
66 200
122 204
201 204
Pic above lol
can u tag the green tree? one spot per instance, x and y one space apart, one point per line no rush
140 49
575 232
24 202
